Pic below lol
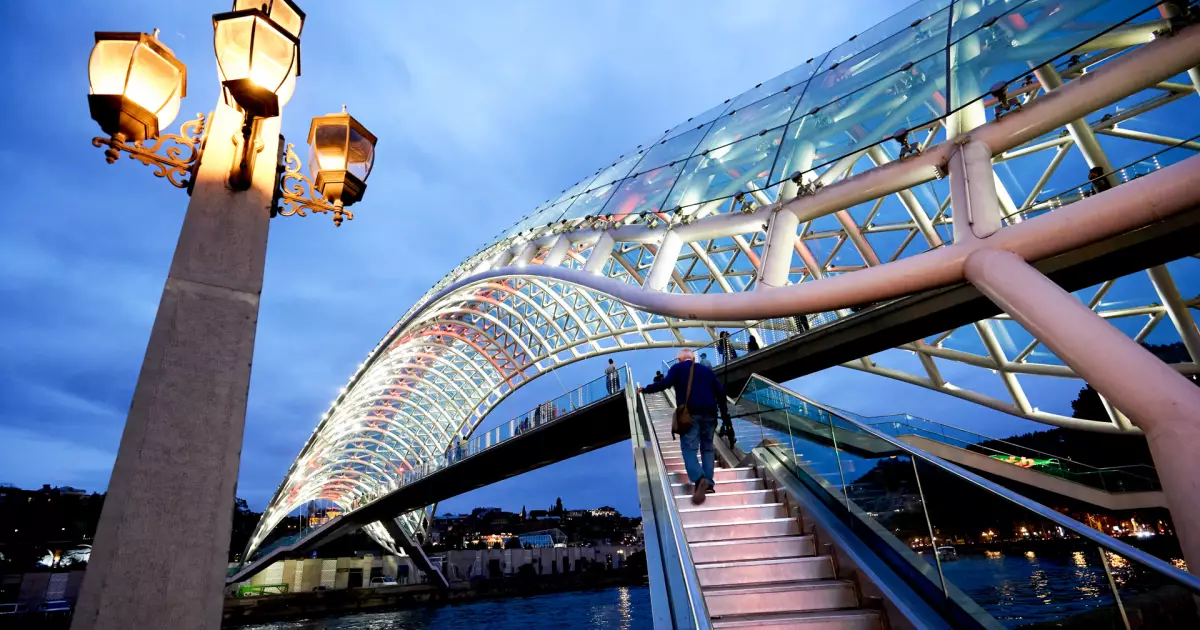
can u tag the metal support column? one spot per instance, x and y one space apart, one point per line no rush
1156 398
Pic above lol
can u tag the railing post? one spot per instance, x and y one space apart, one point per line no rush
1158 400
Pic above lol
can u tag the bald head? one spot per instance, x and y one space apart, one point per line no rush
686 354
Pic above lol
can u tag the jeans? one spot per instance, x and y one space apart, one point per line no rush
699 437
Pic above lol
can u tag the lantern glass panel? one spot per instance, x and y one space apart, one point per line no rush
273 65
109 66
328 151
280 12
154 84
362 154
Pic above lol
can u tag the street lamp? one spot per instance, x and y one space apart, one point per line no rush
341 154
136 87
136 83
179 454
258 54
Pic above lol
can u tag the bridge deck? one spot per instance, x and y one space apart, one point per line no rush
594 426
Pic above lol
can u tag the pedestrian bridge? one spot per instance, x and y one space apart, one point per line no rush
930 186
586 418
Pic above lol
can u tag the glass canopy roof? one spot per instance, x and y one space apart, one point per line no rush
927 61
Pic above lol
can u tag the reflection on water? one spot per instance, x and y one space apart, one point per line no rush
617 608
1018 589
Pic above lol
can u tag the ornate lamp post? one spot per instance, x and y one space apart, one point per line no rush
160 556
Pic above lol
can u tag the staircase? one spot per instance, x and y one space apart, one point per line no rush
756 568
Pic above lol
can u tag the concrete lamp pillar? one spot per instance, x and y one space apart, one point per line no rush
161 549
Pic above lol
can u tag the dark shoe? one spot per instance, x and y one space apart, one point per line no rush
712 489
701 490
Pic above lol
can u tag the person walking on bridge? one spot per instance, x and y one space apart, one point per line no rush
611 379
697 387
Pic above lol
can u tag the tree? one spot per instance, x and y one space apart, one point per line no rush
1088 406
558 508
522 513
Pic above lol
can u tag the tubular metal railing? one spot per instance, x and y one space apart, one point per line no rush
920 509
682 585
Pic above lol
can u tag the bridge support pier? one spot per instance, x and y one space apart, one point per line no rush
1157 399
415 552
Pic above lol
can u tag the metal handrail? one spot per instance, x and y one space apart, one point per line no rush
1104 541
691 579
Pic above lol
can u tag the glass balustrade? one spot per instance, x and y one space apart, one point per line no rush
1135 478
981 554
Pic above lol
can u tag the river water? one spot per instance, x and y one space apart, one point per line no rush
619 608
1017 589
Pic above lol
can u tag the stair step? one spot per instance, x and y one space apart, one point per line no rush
722 499
753 549
739 485
787 597
708 532
765 571
817 620
731 514
720 474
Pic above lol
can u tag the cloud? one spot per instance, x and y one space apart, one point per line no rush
32 459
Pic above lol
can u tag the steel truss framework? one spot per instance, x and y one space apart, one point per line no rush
797 188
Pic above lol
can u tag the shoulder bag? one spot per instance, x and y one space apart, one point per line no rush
682 422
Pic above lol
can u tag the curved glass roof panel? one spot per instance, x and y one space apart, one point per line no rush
618 171
726 171
997 52
792 80
591 203
769 113
675 149
905 19
706 117
926 61
643 193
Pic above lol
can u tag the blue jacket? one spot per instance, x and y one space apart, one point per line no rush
707 395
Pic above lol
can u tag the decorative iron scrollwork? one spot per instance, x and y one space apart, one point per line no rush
174 156
296 193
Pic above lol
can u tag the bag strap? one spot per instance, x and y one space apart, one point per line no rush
688 395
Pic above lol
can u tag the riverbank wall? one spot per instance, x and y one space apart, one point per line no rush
309 605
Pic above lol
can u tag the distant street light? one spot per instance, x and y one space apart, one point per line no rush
163 537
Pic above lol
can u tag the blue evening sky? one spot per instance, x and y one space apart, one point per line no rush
483 111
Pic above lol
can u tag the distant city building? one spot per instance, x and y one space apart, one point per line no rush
544 539
604 512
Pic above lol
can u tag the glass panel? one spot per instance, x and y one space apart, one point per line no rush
1147 598
708 116
726 171
590 203
328 150
903 100
362 154
977 556
153 81
672 150
108 66
644 193
231 39
770 113
906 18
914 45
996 47
273 59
